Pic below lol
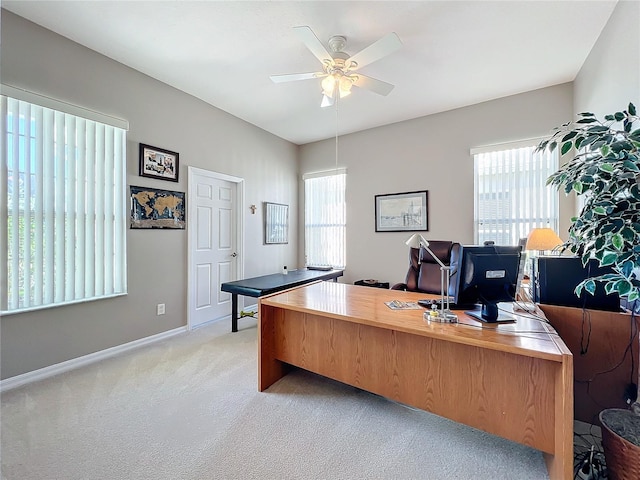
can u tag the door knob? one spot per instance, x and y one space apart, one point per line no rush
234 254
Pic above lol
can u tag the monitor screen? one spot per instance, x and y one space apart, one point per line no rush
486 275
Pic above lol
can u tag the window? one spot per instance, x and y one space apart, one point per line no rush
325 218
63 182
511 195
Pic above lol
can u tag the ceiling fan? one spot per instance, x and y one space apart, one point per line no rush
339 69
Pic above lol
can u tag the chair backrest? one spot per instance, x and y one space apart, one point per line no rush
424 271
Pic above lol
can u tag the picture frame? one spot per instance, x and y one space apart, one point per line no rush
159 163
154 208
402 212
276 223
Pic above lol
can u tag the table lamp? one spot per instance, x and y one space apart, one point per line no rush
444 315
542 239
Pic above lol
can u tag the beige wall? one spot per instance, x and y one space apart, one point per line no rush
429 153
43 62
610 77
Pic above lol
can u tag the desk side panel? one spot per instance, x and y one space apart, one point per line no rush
270 370
509 395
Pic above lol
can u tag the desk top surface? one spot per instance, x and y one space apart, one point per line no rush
268 284
530 335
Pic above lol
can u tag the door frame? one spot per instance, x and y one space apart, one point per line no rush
191 219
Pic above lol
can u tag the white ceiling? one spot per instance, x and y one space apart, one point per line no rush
455 53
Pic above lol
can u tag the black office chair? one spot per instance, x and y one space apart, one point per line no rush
424 272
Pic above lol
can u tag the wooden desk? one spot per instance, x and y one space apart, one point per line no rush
512 380
602 366
267 284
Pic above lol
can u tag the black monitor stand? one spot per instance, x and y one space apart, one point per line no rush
489 313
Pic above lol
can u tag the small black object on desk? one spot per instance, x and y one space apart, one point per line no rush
372 283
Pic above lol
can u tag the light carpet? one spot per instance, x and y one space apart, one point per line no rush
188 408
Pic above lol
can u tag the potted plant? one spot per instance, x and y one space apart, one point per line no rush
605 171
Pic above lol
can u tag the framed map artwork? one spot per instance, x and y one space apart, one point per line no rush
154 208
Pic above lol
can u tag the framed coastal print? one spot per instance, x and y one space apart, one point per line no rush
276 223
402 212
158 163
155 208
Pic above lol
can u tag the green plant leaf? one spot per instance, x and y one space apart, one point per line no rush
604 150
590 286
609 118
586 120
598 210
632 109
623 287
619 116
587 114
577 186
566 147
597 128
621 145
609 258
617 241
606 167
569 135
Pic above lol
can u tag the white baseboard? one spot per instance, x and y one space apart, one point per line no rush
50 371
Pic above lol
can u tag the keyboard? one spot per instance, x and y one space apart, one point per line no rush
428 304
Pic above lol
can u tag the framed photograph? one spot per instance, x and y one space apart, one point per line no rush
158 163
276 223
402 212
154 208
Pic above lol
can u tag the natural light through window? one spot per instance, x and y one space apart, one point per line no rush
63 180
511 195
325 221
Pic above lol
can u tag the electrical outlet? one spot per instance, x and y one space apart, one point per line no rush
160 309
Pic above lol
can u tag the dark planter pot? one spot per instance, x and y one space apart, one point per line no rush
621 442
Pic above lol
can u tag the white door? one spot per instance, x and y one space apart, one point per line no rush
213 244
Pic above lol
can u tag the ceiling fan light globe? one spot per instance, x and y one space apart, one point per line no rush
328 85
344 86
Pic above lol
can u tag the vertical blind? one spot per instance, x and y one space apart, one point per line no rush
325 218
511 195
64 181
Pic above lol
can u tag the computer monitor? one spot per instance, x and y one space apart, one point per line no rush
486 275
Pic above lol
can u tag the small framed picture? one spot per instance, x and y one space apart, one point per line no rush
402 212
158 163
276 223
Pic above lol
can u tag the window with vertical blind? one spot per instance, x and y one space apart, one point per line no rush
325 218
511 195
63 181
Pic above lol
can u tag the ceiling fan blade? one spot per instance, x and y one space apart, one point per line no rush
375 85
312 43
383 47
291 77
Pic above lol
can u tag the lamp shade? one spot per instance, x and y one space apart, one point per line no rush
543 239
416 240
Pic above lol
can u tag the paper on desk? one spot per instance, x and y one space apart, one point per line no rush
398 305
